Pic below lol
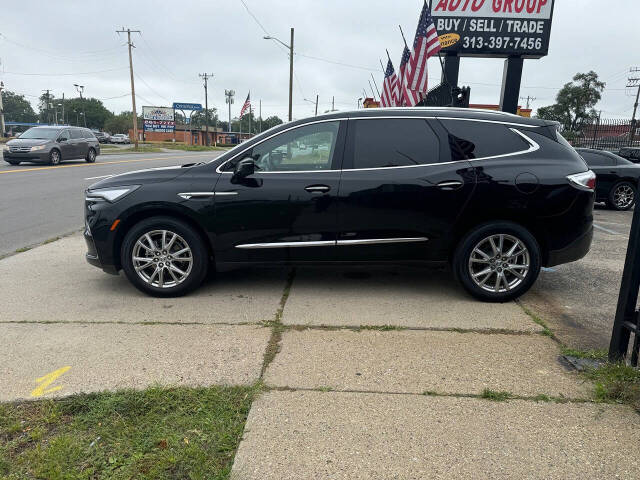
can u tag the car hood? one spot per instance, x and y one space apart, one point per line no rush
26 142
142 177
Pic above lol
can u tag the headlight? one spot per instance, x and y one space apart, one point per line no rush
111 194
37 147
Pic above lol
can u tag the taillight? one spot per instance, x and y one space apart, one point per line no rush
583 181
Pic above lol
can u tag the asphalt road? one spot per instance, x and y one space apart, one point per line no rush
38 202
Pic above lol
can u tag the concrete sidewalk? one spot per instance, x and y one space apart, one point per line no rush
378 373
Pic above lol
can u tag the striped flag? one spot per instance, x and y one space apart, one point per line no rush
390 88
425 44
247 105
408 98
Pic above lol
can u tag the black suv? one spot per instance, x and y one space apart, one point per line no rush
495 195
52 145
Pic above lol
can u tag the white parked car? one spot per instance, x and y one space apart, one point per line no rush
120 138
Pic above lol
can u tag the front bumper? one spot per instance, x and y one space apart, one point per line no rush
38 157
92 256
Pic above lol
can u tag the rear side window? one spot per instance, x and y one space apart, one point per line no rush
400 142
482 139
594 159
77 133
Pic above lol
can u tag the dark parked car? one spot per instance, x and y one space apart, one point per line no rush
102 137
617 178
495 195
52 145
630 153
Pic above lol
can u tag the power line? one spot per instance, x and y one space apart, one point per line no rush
151 88
63 74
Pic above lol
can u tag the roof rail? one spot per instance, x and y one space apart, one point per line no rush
457 109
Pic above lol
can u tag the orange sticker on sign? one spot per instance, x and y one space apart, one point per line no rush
448 39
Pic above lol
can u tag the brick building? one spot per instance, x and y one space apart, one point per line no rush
193 136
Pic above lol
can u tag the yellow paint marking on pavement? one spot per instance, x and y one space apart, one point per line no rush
97 164
47 380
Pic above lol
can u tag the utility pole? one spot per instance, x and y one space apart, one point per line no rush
229 100
317 95
529 99
206 77
260 118
633 83
46 106
1 111
63 122
80 89
133 88
291 77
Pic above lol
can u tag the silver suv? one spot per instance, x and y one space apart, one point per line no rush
52 145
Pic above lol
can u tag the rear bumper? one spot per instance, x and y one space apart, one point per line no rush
572 252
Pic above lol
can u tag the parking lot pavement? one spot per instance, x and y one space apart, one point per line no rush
415 298
54 283
578 300
50 360
293 435
418 361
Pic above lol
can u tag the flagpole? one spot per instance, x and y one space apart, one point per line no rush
382 66
374 82
373 94
444 73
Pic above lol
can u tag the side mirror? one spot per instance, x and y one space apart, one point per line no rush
244 168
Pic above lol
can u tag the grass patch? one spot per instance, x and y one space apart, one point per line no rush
546 330
141 149
542 398
590 354
617 383
191 148
155 433
495 396
22 249
380 328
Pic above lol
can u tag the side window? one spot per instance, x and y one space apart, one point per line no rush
309 147
597 159
76 133
65 134
89 134
482 139
394 142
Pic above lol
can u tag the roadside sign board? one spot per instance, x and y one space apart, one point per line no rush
494 28
158 119
188 106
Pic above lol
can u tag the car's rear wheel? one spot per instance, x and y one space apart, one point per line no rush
622 196
55 157
164 257
91 156
498 261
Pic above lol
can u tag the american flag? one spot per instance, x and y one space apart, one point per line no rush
425 45
408 98
247 105
390 89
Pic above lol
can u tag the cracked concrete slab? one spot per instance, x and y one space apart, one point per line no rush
293 435
53 282
108 357
410 361
394 296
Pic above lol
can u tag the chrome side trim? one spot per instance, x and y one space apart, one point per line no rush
328 243
453 183
320 243
190 195
373 241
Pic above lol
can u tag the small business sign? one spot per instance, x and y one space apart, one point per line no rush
158 119
188 106
494 28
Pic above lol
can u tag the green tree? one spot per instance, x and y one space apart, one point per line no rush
270 122
575 102
121 123
74 111
17 108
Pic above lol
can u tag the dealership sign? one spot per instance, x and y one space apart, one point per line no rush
494 28
158 119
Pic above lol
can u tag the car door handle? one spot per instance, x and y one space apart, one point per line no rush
317 188
450 185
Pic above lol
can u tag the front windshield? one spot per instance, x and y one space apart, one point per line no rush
41 133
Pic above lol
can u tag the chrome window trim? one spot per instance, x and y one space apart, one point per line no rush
276 134
533 146
329 243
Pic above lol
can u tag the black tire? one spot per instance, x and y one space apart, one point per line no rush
199 255
622 196
12 162
91 156
478 238
55 157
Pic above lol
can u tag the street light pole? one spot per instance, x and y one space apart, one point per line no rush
80 89
290 47
206 77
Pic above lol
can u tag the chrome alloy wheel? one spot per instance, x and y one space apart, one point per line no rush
55 157
162 258
623 196
499 263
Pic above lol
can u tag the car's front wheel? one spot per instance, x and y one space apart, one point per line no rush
164 257
12 162
498 261
55 157
622 196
